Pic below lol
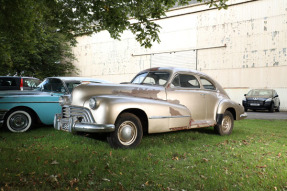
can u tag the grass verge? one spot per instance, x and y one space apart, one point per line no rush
253 157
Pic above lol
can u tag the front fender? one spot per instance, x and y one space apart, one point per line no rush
161 115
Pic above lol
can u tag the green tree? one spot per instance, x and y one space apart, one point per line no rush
36 36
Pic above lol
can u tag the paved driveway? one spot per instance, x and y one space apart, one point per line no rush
267 115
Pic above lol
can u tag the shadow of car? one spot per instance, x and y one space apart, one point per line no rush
20 110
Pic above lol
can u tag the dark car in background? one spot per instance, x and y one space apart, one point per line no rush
261 99
18 83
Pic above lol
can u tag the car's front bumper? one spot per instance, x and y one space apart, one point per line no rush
2 116
72 124
259 105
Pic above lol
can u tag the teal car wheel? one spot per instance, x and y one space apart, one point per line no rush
19 121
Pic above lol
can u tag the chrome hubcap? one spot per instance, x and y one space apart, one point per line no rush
19 121
226 123
127 133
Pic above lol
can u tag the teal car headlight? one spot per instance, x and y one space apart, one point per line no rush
65 100
93 103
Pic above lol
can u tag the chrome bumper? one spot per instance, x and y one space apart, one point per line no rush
73 125
243 116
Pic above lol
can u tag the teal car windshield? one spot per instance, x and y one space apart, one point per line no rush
52 85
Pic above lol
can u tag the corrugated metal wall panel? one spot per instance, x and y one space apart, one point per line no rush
185 59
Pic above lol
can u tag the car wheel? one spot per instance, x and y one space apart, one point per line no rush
226 126
245 109
278 108
271 109
128 132
19 121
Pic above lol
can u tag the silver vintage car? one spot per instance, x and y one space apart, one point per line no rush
156 100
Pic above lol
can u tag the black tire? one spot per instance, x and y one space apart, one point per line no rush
226 126
128 132
19 121
271 109
278 108
245 109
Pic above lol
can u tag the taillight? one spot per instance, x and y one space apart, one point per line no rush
21 84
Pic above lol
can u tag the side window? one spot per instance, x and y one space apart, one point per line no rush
31 83
149 80
207 84
8 82
185 81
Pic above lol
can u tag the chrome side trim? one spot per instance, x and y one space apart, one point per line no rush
165 117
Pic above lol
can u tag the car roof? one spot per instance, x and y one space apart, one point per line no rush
17 77
174 70
262 89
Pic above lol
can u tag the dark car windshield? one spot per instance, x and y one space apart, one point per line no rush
151 78
52 85
265 93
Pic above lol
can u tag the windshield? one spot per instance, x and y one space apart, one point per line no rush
266 93
151 78
52 85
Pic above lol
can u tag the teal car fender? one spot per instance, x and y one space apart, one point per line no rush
38 104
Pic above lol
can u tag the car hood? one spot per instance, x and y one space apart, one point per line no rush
257 97
83 92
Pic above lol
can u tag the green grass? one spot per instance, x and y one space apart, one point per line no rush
253 157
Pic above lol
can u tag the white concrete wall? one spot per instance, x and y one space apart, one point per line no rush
255 56
243 47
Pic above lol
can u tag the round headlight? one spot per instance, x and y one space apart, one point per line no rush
65 100
93 103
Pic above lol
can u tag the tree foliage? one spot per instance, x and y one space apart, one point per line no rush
36 36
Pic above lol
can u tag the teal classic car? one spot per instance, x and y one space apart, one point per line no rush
20 110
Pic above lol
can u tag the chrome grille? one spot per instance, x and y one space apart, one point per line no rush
81 113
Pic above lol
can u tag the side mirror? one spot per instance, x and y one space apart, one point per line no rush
276 96
245 94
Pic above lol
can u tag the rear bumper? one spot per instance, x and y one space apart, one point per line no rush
243 116
73 125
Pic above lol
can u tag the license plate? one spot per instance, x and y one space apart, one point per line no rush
255 104
65 126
